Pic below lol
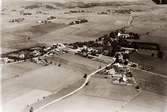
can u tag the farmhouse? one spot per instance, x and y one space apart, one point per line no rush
44 21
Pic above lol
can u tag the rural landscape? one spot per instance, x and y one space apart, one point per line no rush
83 55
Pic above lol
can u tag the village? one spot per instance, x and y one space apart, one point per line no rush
35 54
84 56
116 41
115 44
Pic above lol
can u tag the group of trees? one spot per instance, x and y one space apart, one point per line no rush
160 1
78 21
110 43
86 43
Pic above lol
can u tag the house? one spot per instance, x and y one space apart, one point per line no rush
111 71
74 51
22 56
123 35
7 60
60 46
44 21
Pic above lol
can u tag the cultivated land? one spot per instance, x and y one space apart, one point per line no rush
30 82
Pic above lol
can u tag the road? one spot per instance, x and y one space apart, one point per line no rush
40 107
72 92
153 73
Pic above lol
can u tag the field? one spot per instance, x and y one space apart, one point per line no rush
20 80
30 82
100 95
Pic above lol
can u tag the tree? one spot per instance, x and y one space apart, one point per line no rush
85 76
59 65
31 109
160 54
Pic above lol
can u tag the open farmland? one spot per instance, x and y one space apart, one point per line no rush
59 23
